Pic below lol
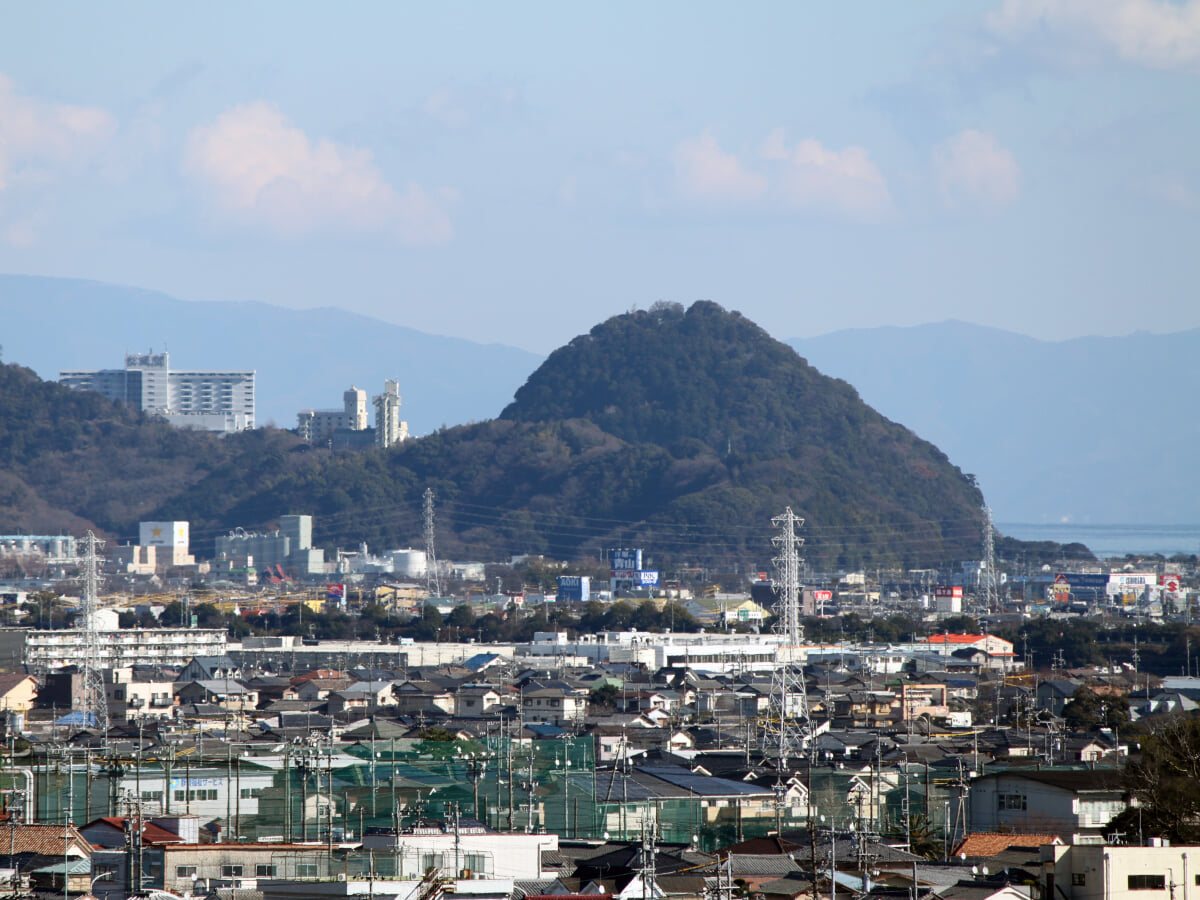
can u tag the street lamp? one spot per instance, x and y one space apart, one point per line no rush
100 877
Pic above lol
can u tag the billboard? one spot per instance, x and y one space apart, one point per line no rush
648 578
628 561
1169 583
163 534
574 588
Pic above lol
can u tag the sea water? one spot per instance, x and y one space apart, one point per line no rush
1111 540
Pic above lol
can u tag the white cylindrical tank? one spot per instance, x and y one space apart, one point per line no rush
409 563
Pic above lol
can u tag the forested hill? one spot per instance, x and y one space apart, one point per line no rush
73 460
681 432
667 375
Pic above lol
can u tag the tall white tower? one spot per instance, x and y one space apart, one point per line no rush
355 404
389 428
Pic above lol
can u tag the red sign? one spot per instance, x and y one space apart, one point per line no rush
948 592
1170 583
822 595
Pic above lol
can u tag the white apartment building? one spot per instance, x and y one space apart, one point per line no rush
389 427
46 651
210 400
317 425
1105 872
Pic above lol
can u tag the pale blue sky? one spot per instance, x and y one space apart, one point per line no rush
517 172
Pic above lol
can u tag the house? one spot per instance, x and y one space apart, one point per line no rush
17 693
558 706
225 693
201 668
1055 693
474 700
183 865
419 696
1075 803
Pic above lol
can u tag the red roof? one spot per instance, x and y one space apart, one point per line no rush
151 833
955 638
987 843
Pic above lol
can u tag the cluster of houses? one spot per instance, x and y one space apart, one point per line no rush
628 765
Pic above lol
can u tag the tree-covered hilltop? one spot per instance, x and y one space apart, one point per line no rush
681 432
72 460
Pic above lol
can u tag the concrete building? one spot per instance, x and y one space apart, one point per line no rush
1101 872
170 540
46 651
318 425
389 428
210 400
290 547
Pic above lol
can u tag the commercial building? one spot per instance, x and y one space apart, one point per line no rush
209 400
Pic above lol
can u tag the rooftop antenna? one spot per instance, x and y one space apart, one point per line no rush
432 583
92 700
787 731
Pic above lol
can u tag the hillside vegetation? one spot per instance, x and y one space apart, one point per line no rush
680 431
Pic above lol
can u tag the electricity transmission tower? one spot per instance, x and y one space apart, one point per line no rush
432 583
92 701
788 728
987 576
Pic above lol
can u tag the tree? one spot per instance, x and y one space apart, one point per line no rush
604 697
1164 785
1088 711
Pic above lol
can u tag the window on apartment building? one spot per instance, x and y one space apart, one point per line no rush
306 870
1079 879
155 796
1010 801
1147 882
231 871
264 870
185 871
431 861
476 863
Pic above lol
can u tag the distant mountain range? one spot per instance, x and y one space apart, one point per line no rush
304 358
1100 430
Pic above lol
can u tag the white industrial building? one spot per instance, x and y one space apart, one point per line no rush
290 546
209 400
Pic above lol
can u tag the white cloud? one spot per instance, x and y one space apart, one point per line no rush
1154 33
37 137
972 168
1173 189
703 171
805 176
263 169
844 182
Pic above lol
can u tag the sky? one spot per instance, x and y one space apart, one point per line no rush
515 173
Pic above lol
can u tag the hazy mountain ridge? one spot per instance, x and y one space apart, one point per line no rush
304 358
1091 429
